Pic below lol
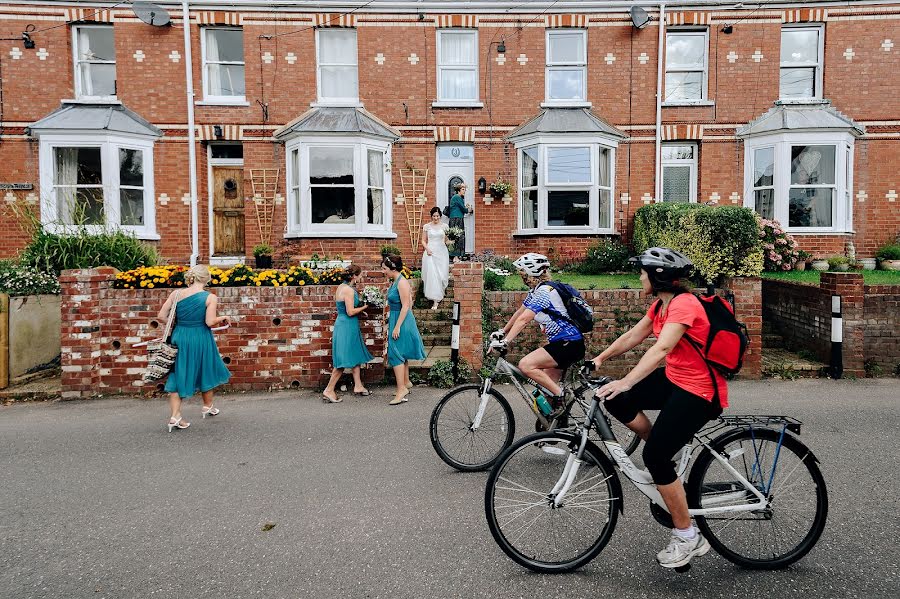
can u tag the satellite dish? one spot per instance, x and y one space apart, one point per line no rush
639 17
151 14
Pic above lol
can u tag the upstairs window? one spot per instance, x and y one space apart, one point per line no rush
338 77
686 66
95 61
566 73
223 65
457 66
801 62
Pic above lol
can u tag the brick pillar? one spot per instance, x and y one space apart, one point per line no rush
468 288
80 345
851 288
748 309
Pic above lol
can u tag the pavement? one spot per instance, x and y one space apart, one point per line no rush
284 496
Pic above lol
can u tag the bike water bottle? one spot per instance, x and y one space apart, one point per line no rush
541 402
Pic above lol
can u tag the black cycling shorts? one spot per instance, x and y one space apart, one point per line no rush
566 353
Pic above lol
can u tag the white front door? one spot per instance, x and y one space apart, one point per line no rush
456 164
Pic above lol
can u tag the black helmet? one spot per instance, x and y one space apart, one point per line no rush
664 266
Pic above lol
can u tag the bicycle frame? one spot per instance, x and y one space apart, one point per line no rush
504 367
641 479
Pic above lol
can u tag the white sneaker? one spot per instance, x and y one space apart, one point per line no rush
680 551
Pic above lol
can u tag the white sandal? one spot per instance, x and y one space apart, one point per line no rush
177 424
209 411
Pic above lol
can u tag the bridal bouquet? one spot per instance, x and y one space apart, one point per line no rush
373 296
454 233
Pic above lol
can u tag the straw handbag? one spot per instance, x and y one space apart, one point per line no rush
162 352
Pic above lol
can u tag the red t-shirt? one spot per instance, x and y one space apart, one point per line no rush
685 366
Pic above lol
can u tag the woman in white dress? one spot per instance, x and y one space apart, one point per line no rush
435 259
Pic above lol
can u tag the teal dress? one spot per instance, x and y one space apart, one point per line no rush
198 365
409 345
348 348
456 211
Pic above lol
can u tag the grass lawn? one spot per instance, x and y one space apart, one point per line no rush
871 277
622 281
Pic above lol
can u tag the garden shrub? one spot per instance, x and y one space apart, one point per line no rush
52 253
721 241
441 374
779 248
606 255
17 280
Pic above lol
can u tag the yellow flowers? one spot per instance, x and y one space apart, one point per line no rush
167 276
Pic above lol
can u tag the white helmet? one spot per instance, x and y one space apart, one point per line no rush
533 265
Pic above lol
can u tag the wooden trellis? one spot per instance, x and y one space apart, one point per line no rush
413 181
265 190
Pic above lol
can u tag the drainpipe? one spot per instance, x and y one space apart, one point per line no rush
192 152
659 92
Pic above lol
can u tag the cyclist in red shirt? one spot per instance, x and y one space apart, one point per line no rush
685 393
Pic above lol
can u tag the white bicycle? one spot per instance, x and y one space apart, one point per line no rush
755 491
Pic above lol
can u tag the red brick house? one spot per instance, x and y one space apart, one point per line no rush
332 133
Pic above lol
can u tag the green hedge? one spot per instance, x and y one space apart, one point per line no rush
48 252
721 241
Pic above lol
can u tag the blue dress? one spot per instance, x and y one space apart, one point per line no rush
348 348
409 345
198 365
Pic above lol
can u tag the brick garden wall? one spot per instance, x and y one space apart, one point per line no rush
881 340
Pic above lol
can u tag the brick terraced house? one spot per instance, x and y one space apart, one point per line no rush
331 127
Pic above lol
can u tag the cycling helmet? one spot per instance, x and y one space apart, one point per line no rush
533 265
664 266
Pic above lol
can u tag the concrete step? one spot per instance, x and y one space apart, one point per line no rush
781 363
37 389
433 354
436 339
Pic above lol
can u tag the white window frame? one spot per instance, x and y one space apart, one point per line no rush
704 87
326 101
752 178
443 102
691 162
300 216
565 66
220 100
79 82
109 156
819 65
842 207
547 142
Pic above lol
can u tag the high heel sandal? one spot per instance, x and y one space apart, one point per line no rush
177 424
327 399
209 411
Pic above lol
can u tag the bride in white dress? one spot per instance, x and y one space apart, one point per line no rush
435 259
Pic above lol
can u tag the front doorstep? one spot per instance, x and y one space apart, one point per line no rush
227 260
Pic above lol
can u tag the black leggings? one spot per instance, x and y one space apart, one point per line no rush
681 414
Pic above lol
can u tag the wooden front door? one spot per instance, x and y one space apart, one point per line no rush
228 211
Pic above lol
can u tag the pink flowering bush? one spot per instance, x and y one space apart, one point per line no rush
779 248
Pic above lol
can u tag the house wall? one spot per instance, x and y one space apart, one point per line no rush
621 86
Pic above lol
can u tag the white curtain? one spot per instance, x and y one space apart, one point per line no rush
338 64
66 180
376 187
213 71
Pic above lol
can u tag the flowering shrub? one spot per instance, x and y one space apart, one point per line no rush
779 248
21 280
238 276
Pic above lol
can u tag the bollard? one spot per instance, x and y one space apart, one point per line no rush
454 343
837 337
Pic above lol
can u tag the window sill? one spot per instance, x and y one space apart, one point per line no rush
236 102
801 102
111 100
688 104
817 232
341 235
566 104
142 234
457 104
336 104
564 233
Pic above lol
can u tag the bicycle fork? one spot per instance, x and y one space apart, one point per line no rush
573 463
482 406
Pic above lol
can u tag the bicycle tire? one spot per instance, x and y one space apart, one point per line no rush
580 533
498 419
761 445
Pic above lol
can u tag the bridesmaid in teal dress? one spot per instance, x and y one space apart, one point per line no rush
198 365
348 348
404 343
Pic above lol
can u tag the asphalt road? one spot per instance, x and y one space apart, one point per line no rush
97 500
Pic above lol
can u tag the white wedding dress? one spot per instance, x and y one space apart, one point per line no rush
436 267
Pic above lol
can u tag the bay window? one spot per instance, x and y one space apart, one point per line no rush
565 187
339 187
97 182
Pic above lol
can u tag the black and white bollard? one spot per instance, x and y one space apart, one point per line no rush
454 343
837 338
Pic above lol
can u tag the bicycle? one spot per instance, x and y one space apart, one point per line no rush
473 424
552 499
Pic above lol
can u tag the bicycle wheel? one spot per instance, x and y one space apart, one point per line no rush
779 534
521 513
453 437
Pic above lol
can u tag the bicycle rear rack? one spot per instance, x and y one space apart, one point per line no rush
751 421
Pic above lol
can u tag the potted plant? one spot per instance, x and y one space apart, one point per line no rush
838 263
263 255
889 256
500 188
387 250
819 263
867 263
802 257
